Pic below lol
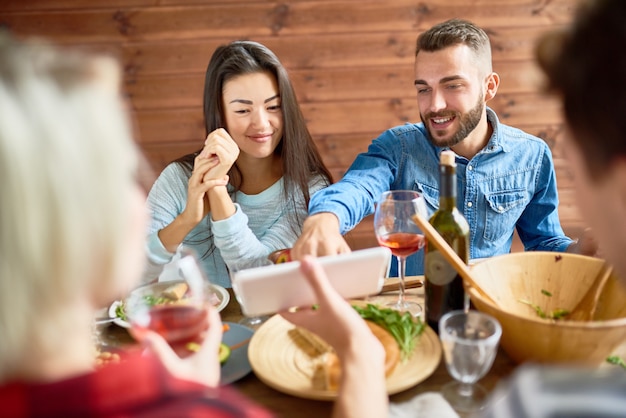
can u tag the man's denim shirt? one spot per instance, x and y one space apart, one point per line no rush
510 184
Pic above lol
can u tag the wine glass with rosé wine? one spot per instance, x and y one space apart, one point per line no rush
396 230
175 309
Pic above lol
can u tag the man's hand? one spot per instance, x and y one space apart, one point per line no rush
320 236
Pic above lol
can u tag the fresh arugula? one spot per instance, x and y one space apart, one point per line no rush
555 314
400 325
120 312
617 360
151 300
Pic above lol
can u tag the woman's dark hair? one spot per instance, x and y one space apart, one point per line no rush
585 66
300 158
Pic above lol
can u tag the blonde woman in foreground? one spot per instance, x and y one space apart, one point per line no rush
73 221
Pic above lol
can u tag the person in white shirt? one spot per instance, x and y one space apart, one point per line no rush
245 194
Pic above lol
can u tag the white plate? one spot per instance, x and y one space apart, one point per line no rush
222 295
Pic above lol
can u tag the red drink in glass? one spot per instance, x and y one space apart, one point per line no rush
178 324
402 244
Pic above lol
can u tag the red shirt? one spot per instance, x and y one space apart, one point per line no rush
137 386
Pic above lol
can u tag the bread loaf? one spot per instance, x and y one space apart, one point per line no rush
175 292
332 366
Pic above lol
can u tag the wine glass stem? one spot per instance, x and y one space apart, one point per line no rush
401 276
466 389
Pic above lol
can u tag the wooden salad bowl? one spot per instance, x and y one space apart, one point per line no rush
529 285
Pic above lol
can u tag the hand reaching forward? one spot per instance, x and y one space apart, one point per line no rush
320 236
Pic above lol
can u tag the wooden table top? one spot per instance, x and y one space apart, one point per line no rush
284 405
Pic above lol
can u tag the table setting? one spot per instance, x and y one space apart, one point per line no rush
424 372
269 364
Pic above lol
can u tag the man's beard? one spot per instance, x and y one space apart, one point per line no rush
467 121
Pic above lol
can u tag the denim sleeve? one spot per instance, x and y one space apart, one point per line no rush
353 197
539 226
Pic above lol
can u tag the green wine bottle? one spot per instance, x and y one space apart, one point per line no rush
444 286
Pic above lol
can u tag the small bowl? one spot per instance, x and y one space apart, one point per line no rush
550 281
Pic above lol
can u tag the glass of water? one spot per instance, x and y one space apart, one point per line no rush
470 342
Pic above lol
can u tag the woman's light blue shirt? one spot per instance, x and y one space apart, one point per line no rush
262 223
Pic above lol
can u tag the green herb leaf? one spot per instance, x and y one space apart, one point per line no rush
120 312
545 292
555 314
559 313
617 361
400 325
152 300
537 308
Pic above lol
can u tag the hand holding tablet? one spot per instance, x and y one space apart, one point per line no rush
269 289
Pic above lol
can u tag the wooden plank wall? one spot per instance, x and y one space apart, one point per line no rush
351 62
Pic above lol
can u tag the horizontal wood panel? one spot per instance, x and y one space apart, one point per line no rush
230 19
321 85
389 81
345 117
351 63
322 51
51 5
339 151
168 91
534 6
352 51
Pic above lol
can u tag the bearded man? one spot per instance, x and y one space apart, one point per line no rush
505 177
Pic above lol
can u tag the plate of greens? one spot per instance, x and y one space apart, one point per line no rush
220 298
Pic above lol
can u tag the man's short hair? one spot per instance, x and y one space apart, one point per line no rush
456 32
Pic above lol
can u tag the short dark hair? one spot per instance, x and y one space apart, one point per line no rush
581 65
456 32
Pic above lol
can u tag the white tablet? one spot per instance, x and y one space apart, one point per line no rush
269 289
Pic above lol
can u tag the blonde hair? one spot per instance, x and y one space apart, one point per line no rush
67 164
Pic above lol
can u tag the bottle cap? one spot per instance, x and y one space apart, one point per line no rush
447 158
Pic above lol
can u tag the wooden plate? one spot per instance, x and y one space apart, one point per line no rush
279 358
